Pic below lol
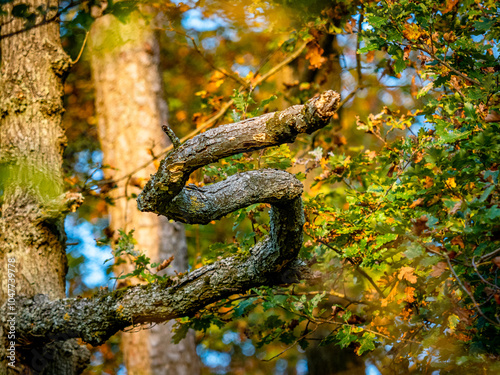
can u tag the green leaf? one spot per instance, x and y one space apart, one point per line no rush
367 343
180 332
376 21
484 24
399 65
486 193
415 250
493 213
244 307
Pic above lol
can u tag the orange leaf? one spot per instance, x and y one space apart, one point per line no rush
406 273
450 4
409 294
315 56
428 182
370 56
412 31
417 202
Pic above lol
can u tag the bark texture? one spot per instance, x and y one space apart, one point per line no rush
33 66
131 110
271 261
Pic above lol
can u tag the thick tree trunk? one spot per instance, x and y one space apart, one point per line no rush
32 238
131 110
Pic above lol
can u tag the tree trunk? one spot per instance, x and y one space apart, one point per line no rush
32 238
131 110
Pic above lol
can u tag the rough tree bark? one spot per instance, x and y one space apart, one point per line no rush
271 261
32 238
131 110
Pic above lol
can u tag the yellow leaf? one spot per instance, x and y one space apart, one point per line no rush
406 273
323 162
451 182
412 31
218 82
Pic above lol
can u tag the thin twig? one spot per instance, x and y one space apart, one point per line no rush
444 63
350 260
233 76
486 256
291 346
170 133
358 56
73 62
481 276
217 116
471 296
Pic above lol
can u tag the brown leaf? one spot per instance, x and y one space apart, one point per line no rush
492 117
458 241
456 207
165 264
350 25
420 225
438 269
406 53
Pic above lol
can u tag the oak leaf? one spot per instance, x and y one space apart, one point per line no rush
406 273
438 269
315 56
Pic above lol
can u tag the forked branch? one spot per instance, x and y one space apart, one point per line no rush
271 261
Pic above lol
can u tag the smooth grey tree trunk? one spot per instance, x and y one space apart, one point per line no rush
131 110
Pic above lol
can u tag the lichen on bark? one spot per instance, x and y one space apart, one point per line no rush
268 262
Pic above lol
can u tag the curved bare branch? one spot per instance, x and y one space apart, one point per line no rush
271 261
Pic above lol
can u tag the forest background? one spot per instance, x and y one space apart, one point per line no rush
400 189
